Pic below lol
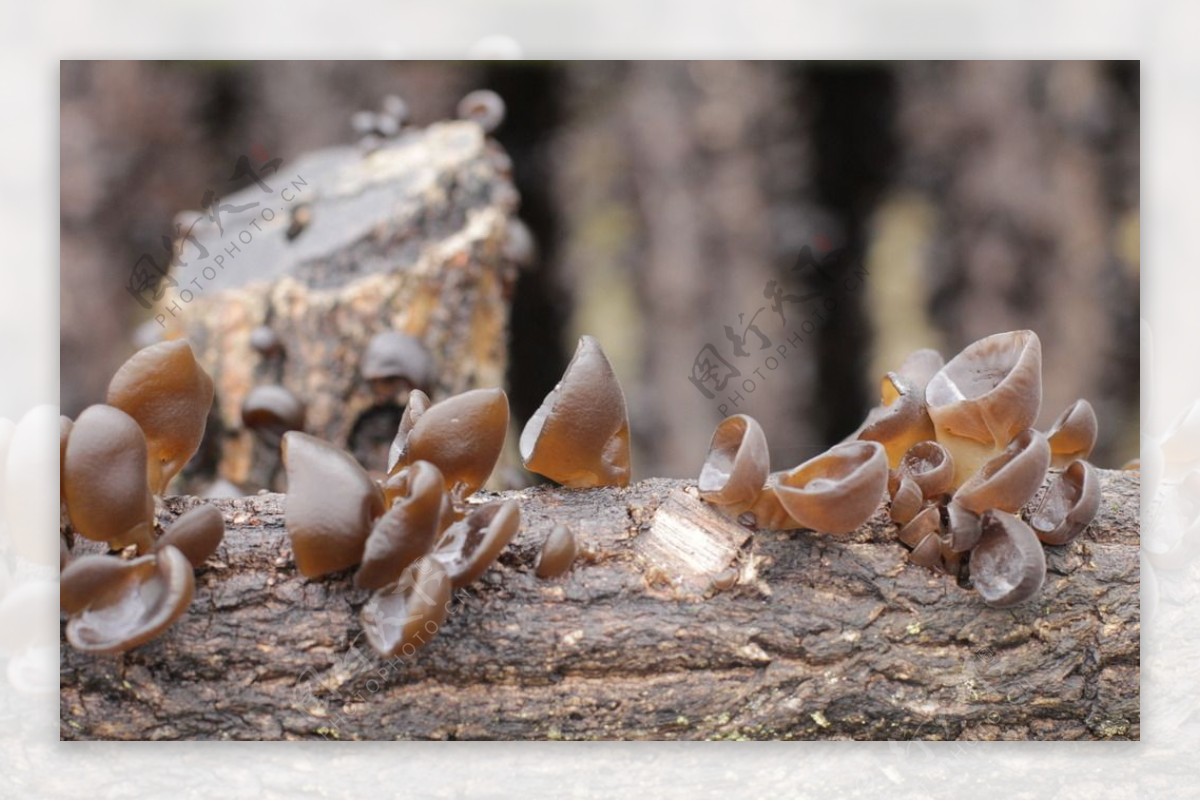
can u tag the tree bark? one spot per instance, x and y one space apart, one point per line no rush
820 637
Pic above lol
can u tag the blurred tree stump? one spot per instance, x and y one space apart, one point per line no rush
819 637
334 248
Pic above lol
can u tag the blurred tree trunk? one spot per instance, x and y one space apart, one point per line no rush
1024 169
687 193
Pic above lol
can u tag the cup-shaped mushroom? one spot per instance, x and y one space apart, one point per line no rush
985 396
767 512
900 422
1008 566
418 404
839 490
406 615
1009 480
1073 434
395 362
407 530
579 436
907 500
1068 505
960 527
270 411
168 393
104 473
484 107
558 552
331 505
930 466
931 553
463 435
196 533
470 546
927 522
737 464
115 605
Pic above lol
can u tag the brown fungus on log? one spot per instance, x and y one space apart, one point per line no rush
1068 505
470 546
406 615
394 363
168 393
1009 480
558 552
902 419
116 605
1073 434
767 512
837 491
331 505
907 500
737 464
104 479
196 533
1008 566
270 411
407 530
922 525
418 404
579 436
463 435
985 396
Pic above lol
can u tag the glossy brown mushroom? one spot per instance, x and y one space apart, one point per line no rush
395 363
270 411
737 464
907 500
1009 480
418 404
463 435
579 436
104 476
116 607
196 533
469 547
930 466
1068 505
960 527
985 396
837 491
331 505
901 421
927 521
767 512
1008 566
558 553
484 107
404 616
168 393
931 554
1073 434
407 530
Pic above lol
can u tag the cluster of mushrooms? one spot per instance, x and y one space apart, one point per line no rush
417 535
952 446
115 459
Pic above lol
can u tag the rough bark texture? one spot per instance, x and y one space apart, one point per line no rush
820 637
339 246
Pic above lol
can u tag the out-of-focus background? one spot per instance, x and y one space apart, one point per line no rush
671 203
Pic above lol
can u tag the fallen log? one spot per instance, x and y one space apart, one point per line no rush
819 637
